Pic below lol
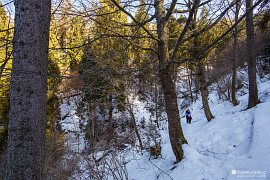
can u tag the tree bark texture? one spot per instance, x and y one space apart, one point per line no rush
204 91
201 73
26 130
175 130
253 90
235 56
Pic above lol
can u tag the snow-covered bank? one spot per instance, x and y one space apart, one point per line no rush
235 144
71 125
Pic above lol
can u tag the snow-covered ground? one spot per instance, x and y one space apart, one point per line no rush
71 124
233 145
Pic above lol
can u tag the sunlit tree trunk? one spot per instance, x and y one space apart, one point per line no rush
175 130
26 130
204 91
201 72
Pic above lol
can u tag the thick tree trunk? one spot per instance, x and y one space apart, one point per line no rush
235 56
201 71
175 130
26 131
204 92
201 74
253 90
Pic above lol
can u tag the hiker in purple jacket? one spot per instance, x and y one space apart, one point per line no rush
188 116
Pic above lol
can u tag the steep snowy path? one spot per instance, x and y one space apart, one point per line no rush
237 140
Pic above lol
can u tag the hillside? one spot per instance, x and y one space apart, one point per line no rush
232 145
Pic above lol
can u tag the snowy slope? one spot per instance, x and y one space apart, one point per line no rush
71 125
235 144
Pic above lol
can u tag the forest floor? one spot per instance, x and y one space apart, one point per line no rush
233 145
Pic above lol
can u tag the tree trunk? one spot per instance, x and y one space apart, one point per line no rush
201 73
253 90
175 130
204 91
110 113
190 84
136 128
156 104
235 56
26 131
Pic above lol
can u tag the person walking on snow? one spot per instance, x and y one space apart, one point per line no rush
188 116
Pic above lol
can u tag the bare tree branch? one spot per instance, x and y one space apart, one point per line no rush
134 19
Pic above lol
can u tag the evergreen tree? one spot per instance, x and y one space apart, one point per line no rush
111 51
141 58
200 56
70 32
6 34
53 101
